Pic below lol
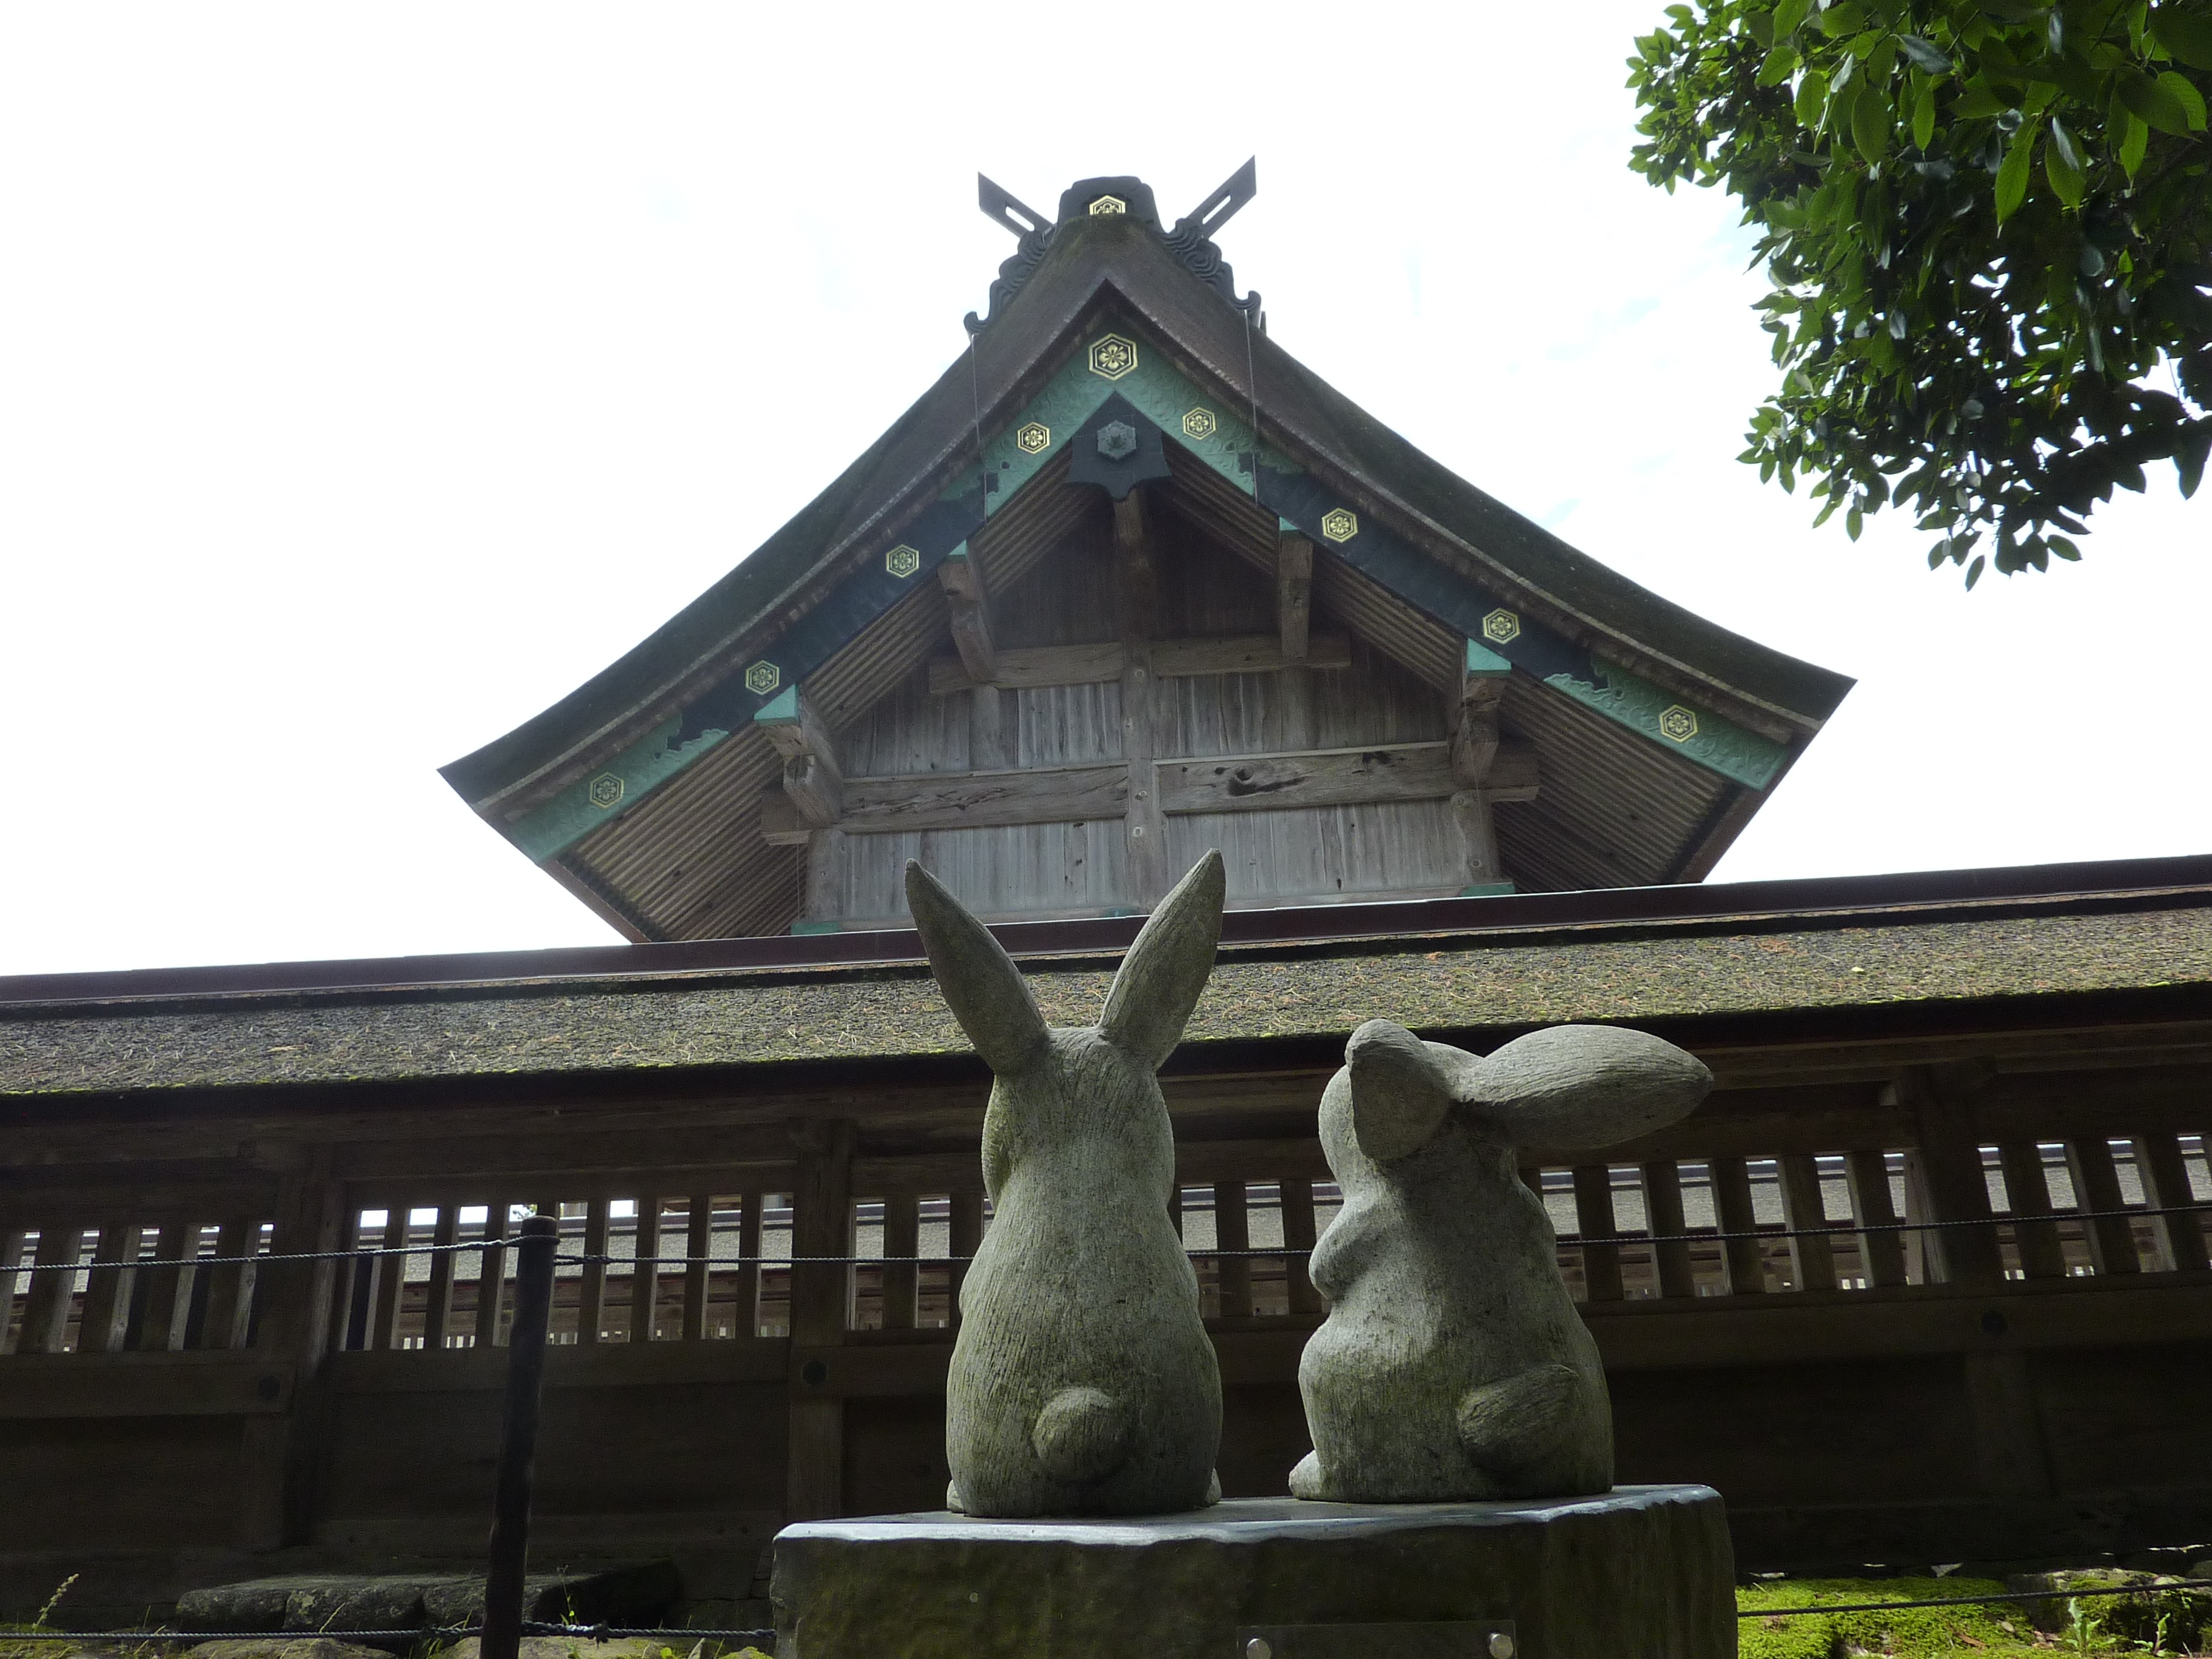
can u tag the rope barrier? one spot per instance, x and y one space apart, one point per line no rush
1979 1600
1708 1236
419 1633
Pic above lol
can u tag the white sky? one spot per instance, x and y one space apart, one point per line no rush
371 377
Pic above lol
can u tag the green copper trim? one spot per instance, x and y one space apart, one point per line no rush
782 706
1489 890
1707 737
1481 660
818 927
622 782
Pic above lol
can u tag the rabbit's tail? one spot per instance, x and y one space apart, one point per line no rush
1081 1436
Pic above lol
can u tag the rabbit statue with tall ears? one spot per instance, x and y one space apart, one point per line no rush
1453 1365
1083 1380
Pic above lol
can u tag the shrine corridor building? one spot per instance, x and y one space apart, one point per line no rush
1925 1278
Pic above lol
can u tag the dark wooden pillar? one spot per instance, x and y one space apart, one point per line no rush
283 1450
821 1224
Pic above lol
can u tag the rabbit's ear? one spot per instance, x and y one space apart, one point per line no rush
1166 969
1583 1085
1401 1089
981 983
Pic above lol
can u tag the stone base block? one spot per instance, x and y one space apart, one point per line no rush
1644 1571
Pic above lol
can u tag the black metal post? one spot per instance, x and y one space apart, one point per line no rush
501 1637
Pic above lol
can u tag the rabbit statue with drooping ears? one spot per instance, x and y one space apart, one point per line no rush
1083 1380
1453 1365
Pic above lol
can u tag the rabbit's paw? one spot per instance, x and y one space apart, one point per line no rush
1306 1479
953 1501
1081 1435
1213 1490
1520 1425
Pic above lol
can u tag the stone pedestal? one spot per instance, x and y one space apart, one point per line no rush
1643 1571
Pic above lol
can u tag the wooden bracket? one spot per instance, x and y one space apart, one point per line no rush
1474 717
811 777
962 578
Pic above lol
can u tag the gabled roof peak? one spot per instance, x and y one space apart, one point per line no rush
1191 240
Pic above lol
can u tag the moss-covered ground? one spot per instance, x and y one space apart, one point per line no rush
2169 1618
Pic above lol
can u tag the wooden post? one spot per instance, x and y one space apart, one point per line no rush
902 1237
156 1316
391 1280
1746 1266
95 1331
964 1236
991 747
1951 1166
501 1636
1299 1236
438 1302
822 1225
1872 1207
1232 1230
1594 1218
592 1288
1662 1210
46 1308
1294 562
2041 1254
284 1454
2168 1185
699 1245
1136 590
491 1276
1814 1259
744 1303
2097 1184
644 1275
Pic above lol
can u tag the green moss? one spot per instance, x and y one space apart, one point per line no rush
1997 1631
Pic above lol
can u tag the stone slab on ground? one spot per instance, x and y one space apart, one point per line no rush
635 1593
583 1647
1643 1570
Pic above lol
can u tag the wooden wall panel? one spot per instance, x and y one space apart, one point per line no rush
1068 868
1397 847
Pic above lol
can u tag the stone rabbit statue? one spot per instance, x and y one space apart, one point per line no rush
1082 1382
1453 1365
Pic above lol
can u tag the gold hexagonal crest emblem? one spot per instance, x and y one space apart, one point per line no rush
1033 438
903 560
1199 424
762 678
604 791
1501 625
1112 357
1677 724
1339 523
1106 204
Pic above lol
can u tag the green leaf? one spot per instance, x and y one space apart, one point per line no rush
1925 54
2135 143
2185 94
1974 572
1872 122
1978 101
1788 14
1843 18
2188 39
1812 99
1781 63
2012 176
2062 162
1923 116
2152 101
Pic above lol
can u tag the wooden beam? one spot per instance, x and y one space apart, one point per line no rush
1294 594
1136 573
1072 794
962 578
1096 665
1330 777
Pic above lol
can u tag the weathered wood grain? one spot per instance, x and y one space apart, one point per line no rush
1027 667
